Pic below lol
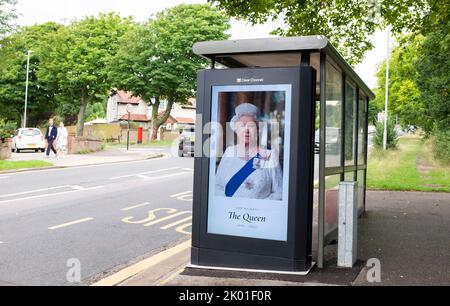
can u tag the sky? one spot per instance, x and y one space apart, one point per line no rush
39 11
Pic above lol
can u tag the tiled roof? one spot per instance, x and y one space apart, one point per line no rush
134 117
125 97
185 120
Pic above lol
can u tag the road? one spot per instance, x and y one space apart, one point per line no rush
103 217
97 215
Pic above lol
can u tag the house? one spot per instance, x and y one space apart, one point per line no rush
180 116
117 109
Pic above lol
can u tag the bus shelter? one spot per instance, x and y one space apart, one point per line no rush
310 111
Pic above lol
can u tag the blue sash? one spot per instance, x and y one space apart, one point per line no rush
239 178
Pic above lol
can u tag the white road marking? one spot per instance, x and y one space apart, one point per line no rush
167 218
176 223
167 176
180 194
33 191
50 194
143 173
135 206
188 169
70 223
1 242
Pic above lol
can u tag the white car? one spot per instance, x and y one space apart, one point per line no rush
28 139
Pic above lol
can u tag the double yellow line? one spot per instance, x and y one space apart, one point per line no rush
143 265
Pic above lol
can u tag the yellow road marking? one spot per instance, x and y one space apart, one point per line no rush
151 216
152 261
135 206
70 223
167 218
176 223
180 229
164 282
180 194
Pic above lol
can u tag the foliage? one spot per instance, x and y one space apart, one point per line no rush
156 61
7 15
95 111
347 23
433 77
392 137
441 146
7 128
404 96
41 97
78 61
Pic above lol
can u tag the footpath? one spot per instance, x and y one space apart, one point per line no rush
408 232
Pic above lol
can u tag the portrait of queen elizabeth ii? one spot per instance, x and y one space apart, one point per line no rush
248 169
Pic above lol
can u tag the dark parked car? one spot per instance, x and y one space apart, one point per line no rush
186 143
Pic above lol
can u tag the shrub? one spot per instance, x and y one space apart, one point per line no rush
441 145
392 137
7 128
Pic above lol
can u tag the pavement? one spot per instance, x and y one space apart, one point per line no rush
114 155
408 232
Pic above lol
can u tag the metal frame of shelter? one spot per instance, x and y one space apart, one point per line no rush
343 98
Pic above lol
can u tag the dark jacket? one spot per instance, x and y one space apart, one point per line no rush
52 135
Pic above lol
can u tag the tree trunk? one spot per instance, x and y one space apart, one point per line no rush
158 120
82 112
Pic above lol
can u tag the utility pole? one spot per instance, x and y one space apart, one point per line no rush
387 92
26 90
129 108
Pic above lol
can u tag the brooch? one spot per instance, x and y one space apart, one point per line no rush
256 163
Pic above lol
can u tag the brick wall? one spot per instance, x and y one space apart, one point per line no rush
75 145
5 149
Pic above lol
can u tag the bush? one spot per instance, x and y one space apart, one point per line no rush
7 128
441 145
392 137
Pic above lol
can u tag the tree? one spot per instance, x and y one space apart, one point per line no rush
433 81
392 137
433 76
13 55
79 59
156 61
404 95
347 23
7 15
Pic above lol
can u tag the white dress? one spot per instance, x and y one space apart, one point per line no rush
61 139
266 182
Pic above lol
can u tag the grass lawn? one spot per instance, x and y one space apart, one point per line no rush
410 167
26 164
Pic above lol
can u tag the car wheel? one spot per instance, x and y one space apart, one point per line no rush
42 150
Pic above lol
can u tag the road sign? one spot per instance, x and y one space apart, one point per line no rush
129 108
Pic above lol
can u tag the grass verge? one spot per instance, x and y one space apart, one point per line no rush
26 164
410 167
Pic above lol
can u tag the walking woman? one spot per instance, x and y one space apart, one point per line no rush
61 140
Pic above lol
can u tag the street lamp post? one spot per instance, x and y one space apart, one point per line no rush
26 90
129 109
387 93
